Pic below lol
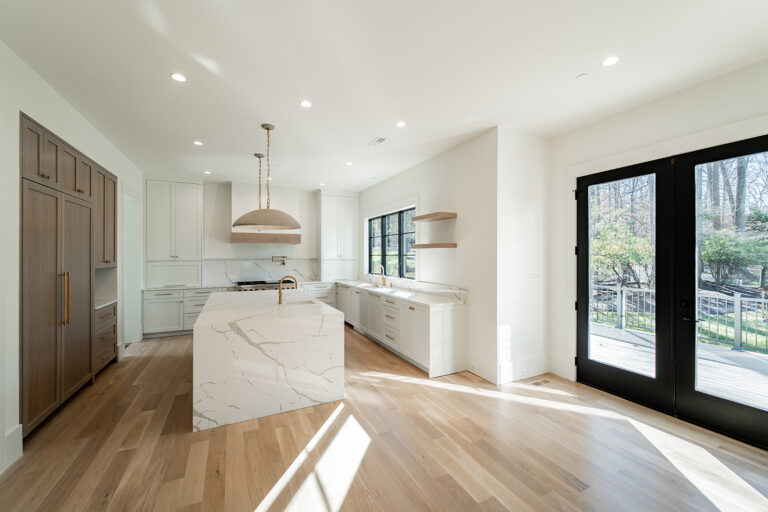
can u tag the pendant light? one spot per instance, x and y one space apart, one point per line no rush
266 218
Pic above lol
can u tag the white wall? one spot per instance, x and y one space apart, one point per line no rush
217 223
726 109
523 190
463 180
21 89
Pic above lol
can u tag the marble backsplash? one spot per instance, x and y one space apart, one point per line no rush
229 271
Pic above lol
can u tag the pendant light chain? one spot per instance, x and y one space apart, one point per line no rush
269 167
259 182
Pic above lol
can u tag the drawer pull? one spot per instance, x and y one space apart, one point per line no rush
390 317
108 315
169 293
323 297
388 301
201 305
202 293
389 337
411 308
46 176
81 191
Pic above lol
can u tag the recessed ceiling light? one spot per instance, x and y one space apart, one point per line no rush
322 184
178 77
206 172
400 124
305 103
349 164
610 60
197 143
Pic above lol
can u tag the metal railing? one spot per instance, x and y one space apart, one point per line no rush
735 320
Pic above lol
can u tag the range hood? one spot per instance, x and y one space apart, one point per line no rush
245 198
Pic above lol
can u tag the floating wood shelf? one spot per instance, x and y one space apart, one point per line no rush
431 217
444 245
239 237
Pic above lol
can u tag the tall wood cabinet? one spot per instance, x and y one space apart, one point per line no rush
67 222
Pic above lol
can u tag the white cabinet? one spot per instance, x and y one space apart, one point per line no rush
339 235
173 221
375 315
173 273
325 292
163 311
354 309
415 335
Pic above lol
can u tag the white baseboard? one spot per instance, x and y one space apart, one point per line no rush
12 447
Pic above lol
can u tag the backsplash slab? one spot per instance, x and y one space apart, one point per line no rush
423 286
229 271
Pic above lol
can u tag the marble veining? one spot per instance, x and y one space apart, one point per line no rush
222 272
457 293
253 357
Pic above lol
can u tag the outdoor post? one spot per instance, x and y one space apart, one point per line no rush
737 322
620 306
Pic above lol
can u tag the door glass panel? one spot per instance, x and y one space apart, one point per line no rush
622 274
732 276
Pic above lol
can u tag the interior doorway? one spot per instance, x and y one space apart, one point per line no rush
131 270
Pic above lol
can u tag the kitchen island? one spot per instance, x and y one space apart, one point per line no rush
253 357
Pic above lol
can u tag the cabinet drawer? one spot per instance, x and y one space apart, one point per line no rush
199 292
329 297
189 320
194 304
105 316
321 287
162 294
391 337
104 347
392 317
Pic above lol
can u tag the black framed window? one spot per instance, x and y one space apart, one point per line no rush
390 243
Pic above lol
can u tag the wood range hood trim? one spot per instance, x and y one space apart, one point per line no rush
243 237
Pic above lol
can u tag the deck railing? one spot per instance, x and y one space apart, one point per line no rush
735 320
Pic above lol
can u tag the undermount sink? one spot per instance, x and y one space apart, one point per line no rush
297 302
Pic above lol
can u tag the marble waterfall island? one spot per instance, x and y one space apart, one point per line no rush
253 357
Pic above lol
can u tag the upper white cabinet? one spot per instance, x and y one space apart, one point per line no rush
174 221
339 236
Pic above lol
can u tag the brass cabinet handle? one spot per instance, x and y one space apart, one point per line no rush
199 305
107 261
323 297
101 317
80 190
169 293
357 293
411 308
203 293
388 301
64 304
390 317
46 176
390 337
69 315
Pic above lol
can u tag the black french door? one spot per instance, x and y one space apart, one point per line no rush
673 286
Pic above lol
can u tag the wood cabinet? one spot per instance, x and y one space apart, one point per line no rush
62 232
105 336
47 159
105 218
173 221
56 299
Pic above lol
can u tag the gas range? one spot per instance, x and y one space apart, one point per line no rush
250 286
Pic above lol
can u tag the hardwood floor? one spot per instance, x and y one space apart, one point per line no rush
453 443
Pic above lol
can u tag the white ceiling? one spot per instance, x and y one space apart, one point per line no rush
448 68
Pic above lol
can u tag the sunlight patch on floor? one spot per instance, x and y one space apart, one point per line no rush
717 482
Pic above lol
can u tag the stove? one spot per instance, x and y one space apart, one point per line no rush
250 286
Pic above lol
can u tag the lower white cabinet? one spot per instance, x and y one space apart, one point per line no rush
173 310
431 337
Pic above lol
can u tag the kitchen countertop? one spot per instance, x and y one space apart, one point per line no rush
253 357
102 303
423 298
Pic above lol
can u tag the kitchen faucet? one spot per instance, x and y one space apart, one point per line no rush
383 283
280 288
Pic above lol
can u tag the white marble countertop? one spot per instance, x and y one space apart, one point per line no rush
415 297
253 357
101 302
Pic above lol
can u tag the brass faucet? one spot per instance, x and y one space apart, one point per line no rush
382 273
280 288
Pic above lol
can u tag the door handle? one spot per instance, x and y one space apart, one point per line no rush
689 319
46 176
69 316
63 275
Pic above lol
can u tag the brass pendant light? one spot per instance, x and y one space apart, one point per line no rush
266 218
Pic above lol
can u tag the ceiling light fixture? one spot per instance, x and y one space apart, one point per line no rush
266 218
305 103
178 77
350 164
610 60
197 143
400 124
322 184
206 172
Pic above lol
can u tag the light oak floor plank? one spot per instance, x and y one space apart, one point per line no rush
398 441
